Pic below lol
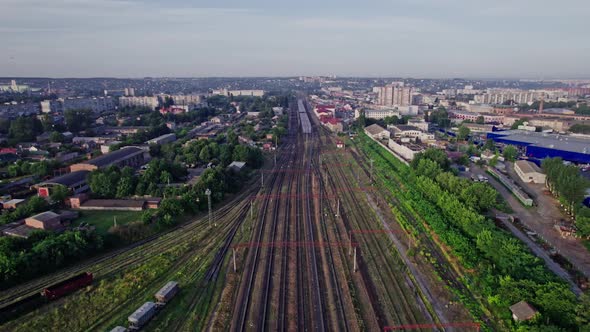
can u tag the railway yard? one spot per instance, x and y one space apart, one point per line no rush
312 244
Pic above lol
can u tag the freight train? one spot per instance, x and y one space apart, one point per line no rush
50 293
148 310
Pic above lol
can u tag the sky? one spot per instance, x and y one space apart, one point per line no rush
381 38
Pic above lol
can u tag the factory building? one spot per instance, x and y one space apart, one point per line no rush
543 145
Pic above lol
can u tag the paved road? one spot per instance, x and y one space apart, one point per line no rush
572 249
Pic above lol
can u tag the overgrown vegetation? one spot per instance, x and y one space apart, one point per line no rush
504 270
42 252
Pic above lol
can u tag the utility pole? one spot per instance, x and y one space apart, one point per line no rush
252 209
234 249
350 247
354 260
262 179
371 161
338 208
208 193
115 220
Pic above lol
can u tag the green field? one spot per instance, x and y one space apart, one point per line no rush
103 220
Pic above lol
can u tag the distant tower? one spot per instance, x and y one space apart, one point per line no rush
13 85
541 104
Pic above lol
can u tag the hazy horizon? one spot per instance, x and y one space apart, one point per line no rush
377 38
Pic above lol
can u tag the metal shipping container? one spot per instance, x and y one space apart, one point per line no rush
167 292
143 314
119 329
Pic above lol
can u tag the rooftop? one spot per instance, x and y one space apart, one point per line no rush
406 128
374 129
67 180
112 157
114 203
523 311
550 141
528 167
45 216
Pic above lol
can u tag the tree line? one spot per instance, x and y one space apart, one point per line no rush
566 182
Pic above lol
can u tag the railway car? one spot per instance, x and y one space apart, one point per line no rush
119 329
21 307
142 315
167 292
67 286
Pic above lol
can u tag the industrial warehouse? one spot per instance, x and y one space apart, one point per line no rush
542 145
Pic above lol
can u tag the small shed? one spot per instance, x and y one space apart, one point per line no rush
12 204
236 166
46 220
522 311
339 144
529 172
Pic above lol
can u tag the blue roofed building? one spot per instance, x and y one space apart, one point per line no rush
544 145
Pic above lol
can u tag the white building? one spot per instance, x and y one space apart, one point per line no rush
236 93
377 132
143 101
529 172
501 96
377 114
395 95
192 99
419 123
406 150
100 104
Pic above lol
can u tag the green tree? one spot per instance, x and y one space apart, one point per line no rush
205 155
125 187
480 120
463 133
519 122
25 129
510 153
59 193
78 119
56 137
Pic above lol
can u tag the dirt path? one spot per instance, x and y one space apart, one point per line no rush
542 223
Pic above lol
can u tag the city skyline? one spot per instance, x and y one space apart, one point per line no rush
471 39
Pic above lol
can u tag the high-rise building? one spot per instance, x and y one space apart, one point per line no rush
395 95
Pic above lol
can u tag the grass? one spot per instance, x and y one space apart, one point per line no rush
103 220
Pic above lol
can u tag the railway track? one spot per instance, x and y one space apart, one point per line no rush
443 266
246 298
125 258
268 271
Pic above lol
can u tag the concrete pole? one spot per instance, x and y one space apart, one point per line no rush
338 208
354 259
371 170
208 193
235 269
262 180
350 247
252 209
